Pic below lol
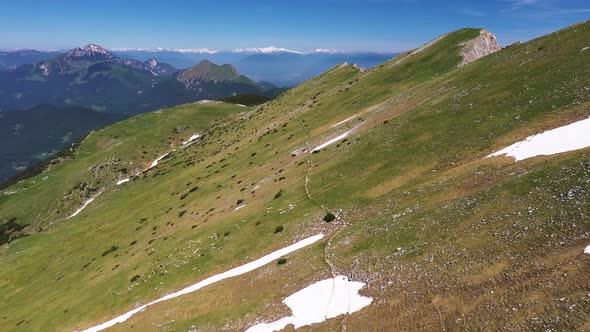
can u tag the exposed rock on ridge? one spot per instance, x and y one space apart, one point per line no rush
485 44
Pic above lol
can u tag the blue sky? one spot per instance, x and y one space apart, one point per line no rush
349 25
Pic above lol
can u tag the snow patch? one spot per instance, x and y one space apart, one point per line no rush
192 138
571 137
155 163
239 207
204 101
241 105
84 205
333 140
587 250
120 182
318 302
218 277
344 121
585 48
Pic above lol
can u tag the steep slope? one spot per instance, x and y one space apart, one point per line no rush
443 237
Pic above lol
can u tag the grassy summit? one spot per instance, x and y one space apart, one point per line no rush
443 237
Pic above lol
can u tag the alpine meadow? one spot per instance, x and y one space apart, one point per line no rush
444 189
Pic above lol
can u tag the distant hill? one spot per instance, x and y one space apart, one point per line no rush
12 59
95 78
28 136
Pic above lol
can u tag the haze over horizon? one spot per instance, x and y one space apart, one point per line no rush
302 26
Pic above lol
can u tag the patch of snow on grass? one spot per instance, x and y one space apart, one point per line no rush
574 136
318 302
344 121
155 163
587 250
204 101
239 207
333 140
218 277
88 201
192 138
241 105
120 182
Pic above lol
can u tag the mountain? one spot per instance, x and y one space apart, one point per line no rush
29 136
95 78
372 200
281 67
12 59
159 69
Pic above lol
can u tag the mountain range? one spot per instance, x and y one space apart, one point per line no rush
95 78
446 189
281 66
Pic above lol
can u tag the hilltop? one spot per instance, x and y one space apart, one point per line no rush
379 184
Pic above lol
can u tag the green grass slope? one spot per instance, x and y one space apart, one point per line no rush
444 238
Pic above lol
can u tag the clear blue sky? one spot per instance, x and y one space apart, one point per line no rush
351 25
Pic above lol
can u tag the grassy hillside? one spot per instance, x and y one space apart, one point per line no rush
443 237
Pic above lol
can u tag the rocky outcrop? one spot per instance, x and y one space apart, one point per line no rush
484 44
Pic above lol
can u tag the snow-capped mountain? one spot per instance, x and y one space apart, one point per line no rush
90 52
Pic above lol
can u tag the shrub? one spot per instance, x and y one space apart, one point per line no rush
110 250
279 194
135 278
329 217
240 201
281 261
279 229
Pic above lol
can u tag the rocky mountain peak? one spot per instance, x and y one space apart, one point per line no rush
153 62
478 47
90 51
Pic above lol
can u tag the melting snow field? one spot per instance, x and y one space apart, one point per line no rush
155 163
120 182
218 277
84 205
318 302
333 140
344 121
192 138
567 138
587 250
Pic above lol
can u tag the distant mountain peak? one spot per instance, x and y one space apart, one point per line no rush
270 49
153 62
209 71
90 51
96 48
273 49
